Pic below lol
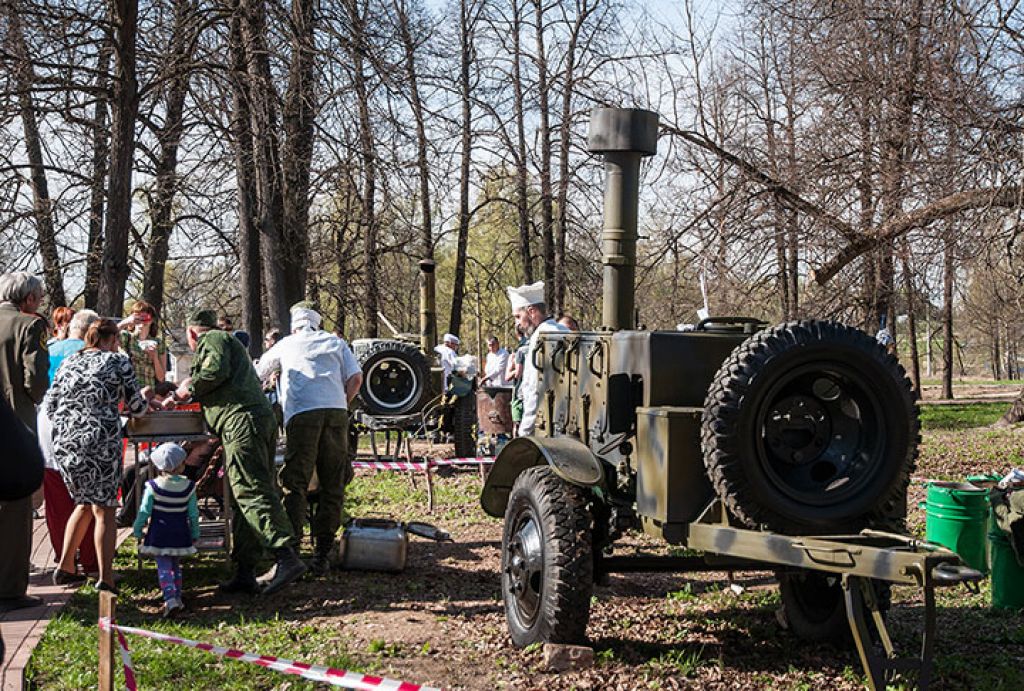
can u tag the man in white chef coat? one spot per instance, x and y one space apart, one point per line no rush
531 313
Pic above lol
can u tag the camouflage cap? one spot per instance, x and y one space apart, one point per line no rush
207 318
303 305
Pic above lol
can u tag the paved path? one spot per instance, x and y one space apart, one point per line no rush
22 629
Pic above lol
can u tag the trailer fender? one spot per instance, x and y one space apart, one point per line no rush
568 457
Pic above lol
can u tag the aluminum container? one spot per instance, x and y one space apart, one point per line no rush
374 544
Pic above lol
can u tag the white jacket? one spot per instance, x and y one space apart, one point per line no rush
314 366
528 390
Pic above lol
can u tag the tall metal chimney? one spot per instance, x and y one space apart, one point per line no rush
623 136
428 314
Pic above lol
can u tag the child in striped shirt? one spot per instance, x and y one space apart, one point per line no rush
169 505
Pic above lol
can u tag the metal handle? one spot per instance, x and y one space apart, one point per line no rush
539 348
559 347
728 320
824 550
574 346
592 355
947 574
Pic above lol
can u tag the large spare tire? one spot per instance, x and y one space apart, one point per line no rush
811 427
396 377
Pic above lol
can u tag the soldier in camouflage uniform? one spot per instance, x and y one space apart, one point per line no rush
224 382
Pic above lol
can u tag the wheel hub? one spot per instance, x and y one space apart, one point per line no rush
798 429
524 569
821 434
391 383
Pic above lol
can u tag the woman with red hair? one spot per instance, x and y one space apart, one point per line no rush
60 318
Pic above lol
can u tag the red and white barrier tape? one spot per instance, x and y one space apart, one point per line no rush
422 465
326 675
390 465
472 460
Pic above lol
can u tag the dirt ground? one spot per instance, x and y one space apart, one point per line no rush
441 621
970 392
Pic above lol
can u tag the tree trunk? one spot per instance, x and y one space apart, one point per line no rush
248 229
97 186
24 77
948 269
122 149
263 111
178 73
297 151
422 162
467 56
359 47
908 289
522 199
564 131
544 132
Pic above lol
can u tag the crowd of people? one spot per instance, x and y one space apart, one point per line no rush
68 382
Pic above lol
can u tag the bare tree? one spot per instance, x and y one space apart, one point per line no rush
125 105
175 81
41 202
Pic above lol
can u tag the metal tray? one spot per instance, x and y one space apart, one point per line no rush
167 423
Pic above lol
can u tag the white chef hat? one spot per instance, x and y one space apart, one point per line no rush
524 296
305 319
452 338
167 456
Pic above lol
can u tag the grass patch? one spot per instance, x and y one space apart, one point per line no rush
958 416
67 656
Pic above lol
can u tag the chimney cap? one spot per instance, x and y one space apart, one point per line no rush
623 129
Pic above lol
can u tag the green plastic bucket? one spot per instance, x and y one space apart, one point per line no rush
1007 574
956 516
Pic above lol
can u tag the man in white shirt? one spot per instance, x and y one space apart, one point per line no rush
319 377
446 353
531 313
496 364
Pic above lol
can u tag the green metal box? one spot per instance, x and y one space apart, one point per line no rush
671 483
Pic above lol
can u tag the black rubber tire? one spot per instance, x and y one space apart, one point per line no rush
814 607
396 378
464 425
811 427
555 604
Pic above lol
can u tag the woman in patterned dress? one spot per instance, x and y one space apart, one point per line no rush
83 407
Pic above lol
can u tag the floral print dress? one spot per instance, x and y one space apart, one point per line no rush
83 406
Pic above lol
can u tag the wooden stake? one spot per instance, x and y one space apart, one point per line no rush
430 489
108 605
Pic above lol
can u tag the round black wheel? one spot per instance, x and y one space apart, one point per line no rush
464 425
814 606
396 378
811 427
547 568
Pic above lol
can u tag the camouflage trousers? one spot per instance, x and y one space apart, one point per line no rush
259 520
317 441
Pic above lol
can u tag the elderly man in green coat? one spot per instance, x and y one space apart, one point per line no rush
24 364
224 382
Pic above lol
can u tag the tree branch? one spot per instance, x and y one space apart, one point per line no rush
985 197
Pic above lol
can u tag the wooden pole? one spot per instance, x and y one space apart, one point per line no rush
108 605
